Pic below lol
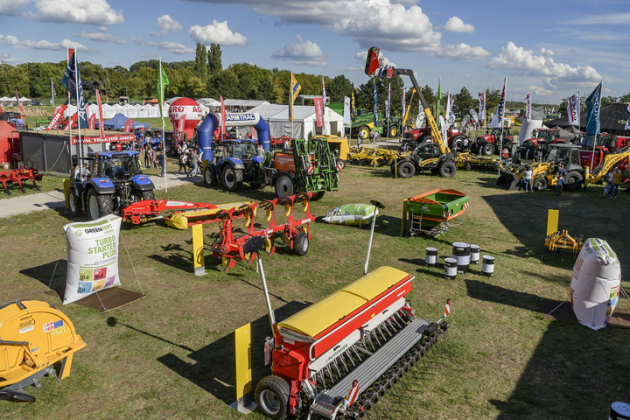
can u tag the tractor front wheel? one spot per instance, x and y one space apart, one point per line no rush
572 181
488 149
210 177
272 397
285 186
148 195
448 169
75 204
406 169
99 205
540 183
393 131
300 244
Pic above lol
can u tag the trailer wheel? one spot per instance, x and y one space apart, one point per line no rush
285 186
488 149
572 181
448 169
272 397
406 169
540 183
229 177
99 205
301 243
210 177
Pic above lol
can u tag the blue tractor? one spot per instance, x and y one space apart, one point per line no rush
115 181
237 161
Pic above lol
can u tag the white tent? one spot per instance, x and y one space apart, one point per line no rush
132 111
25 101
108 111
304 124
6 101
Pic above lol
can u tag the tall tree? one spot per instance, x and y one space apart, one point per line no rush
338 88
201 67
463 102
214 59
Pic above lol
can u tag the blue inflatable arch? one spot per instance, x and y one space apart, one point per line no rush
212 121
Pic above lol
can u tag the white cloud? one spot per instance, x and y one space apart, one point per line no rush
305 53
12 7
173 47
526 62
462 52
218 33
95 12
611 19
539 92
7 58
102 37
168 25
43 44
455 24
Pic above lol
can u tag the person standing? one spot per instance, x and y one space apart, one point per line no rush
560 183
162 162
146 160
193 159
183 156
528 179
616 181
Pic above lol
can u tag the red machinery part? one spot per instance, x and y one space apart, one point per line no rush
16 176
146 210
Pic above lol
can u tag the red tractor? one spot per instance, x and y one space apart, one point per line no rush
538 146
606 143
488 144
413 138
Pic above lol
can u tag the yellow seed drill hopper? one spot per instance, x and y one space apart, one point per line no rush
36 339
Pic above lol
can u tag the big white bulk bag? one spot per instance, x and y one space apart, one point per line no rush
92 257
595 284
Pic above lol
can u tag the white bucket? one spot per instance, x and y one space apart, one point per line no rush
450 268
487 265
461 252
431 257
475 250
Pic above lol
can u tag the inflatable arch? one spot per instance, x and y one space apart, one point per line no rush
212 121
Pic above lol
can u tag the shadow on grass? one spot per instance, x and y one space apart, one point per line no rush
569 362
214 370
52 275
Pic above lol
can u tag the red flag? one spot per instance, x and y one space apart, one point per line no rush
92 122
447 308
70 52
180 128
319 115
100 114
128 124
56 117
72 122
223 118
17 98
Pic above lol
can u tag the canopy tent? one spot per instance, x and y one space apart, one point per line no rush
304 123
613 120
119 121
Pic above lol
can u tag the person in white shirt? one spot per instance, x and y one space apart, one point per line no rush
528 179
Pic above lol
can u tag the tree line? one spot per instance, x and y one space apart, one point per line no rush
206 77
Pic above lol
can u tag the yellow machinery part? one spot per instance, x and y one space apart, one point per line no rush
321 315
35 335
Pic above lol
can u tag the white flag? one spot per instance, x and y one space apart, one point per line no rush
499 116
482 107
573 109
449 106
347 119
528 107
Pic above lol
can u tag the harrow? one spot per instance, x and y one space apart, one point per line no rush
17 176
370 156
229 246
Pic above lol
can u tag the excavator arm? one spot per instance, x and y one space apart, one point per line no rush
404 121
371 67
610 160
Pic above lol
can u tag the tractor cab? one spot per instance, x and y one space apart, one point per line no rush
116 166
567 154
242 149
427 151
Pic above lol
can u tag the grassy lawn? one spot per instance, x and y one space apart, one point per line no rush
170 354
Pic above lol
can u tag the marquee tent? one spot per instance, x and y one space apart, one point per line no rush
613 120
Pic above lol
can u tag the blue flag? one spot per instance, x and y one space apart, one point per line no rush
375 105
592 104
71 80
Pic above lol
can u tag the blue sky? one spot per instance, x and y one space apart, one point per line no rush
551 48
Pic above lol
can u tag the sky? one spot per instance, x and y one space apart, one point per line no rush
549 48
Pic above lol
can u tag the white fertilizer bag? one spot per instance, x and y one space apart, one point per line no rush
92 257
595 284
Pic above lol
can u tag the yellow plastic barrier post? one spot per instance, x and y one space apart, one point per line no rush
198 256
67 183
204 164
403 228
552 221
243 362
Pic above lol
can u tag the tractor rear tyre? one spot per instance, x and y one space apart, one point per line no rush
406 169
393 131
448 169
229 177
99 205
285 185
148 195
74 203
366 132
488 149
540 184
458 142
272 397
424 139
572 181
300 244
210 177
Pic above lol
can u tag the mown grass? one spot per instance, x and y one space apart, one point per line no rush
170 354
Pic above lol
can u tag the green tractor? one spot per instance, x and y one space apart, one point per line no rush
364 123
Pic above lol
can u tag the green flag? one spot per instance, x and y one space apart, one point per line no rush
161 82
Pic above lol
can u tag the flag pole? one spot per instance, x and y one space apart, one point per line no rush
163 135
291 116
76 79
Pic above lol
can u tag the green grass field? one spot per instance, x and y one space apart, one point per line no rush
170 354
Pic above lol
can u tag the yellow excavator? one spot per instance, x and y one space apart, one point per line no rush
606 165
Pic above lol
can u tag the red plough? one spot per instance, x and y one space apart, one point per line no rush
16 176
